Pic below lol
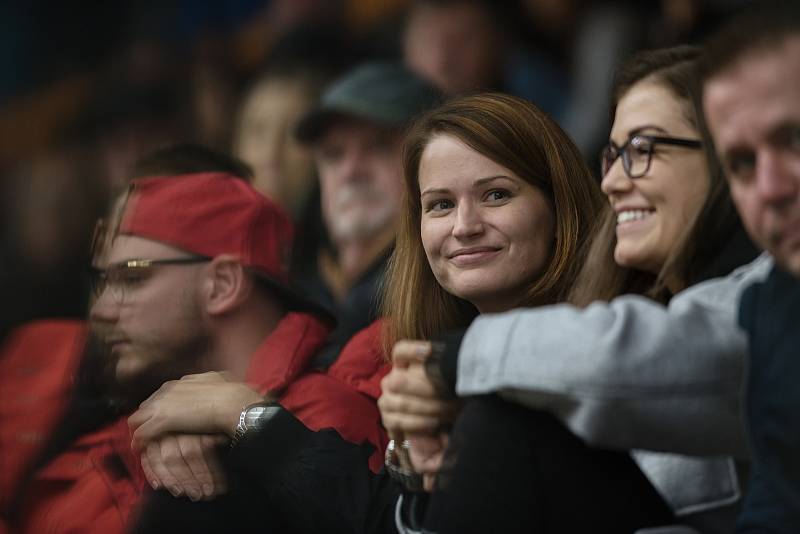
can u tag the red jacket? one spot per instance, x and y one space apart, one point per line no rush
96 484
37 363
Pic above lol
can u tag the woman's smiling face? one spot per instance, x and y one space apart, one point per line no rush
487 233
653 210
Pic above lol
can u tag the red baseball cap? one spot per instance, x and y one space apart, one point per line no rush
216 213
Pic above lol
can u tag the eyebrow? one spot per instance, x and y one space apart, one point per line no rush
477 183
640 129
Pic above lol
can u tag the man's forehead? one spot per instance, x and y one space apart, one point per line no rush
769 62
768 78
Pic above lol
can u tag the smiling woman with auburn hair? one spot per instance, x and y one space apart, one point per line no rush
529 144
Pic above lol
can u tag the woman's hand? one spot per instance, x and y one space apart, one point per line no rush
185 464
426 454
410 403
196 404
413 409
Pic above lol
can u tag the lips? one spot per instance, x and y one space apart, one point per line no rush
473 255
116 343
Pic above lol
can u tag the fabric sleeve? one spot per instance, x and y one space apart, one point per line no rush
319 481
630 373
770 313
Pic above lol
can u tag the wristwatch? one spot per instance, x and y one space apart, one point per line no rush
253 418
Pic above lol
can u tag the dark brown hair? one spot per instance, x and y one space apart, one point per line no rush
517 135
758 28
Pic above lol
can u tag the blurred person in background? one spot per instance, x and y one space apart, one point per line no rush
50 203
300 65
355 133
264 134
475 45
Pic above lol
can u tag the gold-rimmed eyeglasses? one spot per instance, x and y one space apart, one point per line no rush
119 278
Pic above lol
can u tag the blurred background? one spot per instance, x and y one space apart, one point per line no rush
87 88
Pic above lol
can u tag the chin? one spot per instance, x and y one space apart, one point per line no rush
790 263
129 368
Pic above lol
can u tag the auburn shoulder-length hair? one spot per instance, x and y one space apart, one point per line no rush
699 252
517 135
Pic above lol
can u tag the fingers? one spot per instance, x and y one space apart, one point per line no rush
159 471
138 418
166 460
201 458
403 414
409 381
149 474
443 409
211 376
427 455
146 432
399 424
407 351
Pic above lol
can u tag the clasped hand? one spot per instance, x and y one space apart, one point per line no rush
178 429
413 410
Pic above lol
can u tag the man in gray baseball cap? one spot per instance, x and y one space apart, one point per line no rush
355 133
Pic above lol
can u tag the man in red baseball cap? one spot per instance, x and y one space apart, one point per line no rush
193 279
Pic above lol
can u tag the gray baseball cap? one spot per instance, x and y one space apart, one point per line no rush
383 92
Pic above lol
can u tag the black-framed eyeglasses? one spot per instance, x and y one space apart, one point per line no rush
119 278
637 152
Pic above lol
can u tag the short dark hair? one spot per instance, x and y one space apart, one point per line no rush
189 158
761 26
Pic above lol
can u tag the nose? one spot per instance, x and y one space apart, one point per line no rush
104 309
776 182
468 222
352 167
615 180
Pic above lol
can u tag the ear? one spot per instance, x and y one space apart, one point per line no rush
226 286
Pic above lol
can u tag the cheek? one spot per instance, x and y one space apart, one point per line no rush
431 235
749 209
534 233
327 187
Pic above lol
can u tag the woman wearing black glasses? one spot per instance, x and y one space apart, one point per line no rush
669 225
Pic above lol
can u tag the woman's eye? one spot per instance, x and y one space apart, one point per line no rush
639 145
439 205
496 195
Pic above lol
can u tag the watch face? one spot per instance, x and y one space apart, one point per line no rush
257 416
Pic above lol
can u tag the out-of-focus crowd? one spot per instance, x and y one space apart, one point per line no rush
353 266
88 89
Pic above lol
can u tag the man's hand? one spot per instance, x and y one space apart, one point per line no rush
196 404
185 464
409 402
